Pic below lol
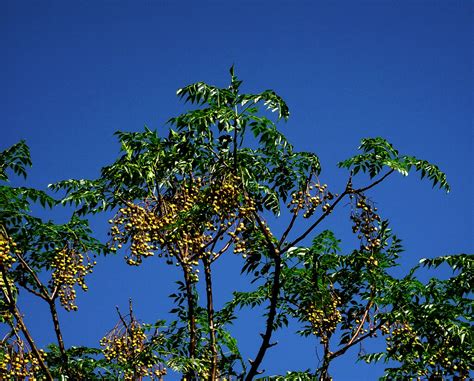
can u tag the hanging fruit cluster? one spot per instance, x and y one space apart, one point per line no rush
324 318
7 249
168 224
17 363
141 225
365 222
309 199
127 346
231 208
227 199
70 268
183 224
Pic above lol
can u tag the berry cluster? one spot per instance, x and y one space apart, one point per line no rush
7 248
365 222
168 224
5 312
70 268
231 206
227 200
17 363
310 199
239 244
181 225
142 226
324 320
128 347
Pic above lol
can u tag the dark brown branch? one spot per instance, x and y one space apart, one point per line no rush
363 189
213 242
210 319
128 326
275 293
317 222
356 341
54 293
263 228
36 293
270 320
40 285
191 313
124 323
347 191
16 313
288 229
191 323
57 331
324 370
293 219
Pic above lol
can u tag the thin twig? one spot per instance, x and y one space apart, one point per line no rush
375 182
293 219
358 340
361 324
316 223
40 285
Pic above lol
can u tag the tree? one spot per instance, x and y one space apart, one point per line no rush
213 186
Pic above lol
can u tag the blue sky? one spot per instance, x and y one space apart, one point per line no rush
75 72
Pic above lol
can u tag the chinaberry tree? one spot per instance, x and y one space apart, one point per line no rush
213 185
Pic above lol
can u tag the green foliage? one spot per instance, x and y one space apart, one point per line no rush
431 333
16 158
379 153
210 186
83 363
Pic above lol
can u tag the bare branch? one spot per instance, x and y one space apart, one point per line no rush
293 219
363 189
46 296
317 222
273 304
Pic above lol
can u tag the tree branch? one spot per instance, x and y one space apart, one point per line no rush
266 337
293 219
57 331
317 222
27 288
40 285
361 324
16 313
356 341
363 189
210 319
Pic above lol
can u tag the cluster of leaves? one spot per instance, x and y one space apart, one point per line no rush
431 323
379 153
